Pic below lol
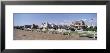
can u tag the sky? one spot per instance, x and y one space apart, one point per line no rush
56 18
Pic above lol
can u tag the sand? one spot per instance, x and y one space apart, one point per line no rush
33 35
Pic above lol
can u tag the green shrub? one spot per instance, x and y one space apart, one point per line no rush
66 33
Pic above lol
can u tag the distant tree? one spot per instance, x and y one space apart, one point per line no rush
55 27
35 26
85 28
72 29
60 27
49 26
95 28
90 28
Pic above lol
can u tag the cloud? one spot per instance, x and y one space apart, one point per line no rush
84 19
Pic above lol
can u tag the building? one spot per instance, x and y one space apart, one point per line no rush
78 25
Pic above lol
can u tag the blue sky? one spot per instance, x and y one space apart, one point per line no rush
57 18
